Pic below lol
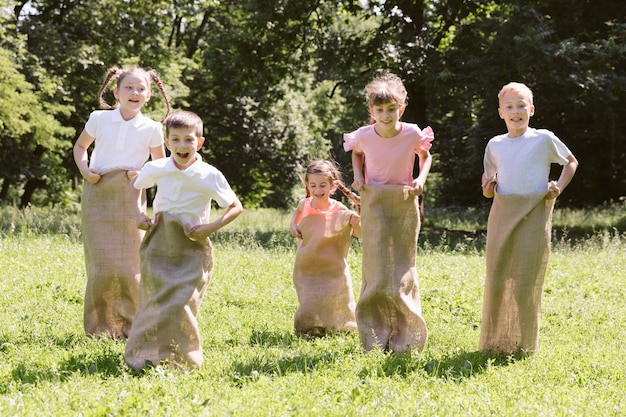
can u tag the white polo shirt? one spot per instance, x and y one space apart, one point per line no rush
121 144
186 193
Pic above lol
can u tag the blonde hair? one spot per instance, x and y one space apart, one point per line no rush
518 88
386 88
120 74
184 119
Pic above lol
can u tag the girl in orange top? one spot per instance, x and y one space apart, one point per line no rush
323 227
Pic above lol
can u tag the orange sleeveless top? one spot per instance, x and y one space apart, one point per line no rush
308 209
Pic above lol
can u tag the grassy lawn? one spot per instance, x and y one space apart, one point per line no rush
255 365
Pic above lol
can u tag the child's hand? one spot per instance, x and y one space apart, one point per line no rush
201 232
144 222
418 188
357 184
553 191
355 222
91 176
295 232
132 174
489 186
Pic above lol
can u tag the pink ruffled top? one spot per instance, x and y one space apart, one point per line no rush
389 160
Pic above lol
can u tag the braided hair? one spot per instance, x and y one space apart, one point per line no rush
331 171
150 77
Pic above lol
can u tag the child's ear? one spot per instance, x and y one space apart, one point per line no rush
402 109
200 142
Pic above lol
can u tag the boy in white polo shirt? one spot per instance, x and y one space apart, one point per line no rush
176 253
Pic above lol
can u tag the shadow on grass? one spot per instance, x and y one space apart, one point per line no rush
462 365
270 365
285 359
468 364
106 362
269 338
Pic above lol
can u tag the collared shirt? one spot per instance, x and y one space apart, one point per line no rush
186 193
121 144
522 164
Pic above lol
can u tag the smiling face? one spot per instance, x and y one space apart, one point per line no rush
320 187
183 142
132 91
516 109
387 118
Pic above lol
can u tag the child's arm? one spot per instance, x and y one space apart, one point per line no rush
139 182
80 157
567 173
202 231
355 222
425 162
358 159
156 152
489 186
295 219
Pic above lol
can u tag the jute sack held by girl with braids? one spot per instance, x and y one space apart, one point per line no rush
389 311
321 276
123 140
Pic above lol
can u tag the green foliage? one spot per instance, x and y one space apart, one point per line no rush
32 140
254 365
277 83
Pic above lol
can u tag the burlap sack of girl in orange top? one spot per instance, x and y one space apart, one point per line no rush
518 247
321 274
389 310
175 273
111 242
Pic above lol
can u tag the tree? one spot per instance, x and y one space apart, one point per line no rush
277 83
31 136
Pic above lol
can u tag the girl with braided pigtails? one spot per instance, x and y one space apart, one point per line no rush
123 140
321 276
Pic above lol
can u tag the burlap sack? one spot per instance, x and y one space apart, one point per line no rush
518 248
111 242
321 275
175 272
389 311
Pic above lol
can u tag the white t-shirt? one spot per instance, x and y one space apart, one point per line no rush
121 144
522 164
186 193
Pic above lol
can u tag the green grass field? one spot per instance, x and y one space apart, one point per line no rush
255 365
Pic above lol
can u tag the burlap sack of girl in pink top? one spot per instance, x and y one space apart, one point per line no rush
389 312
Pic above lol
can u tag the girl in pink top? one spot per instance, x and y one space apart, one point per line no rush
383 156
321 274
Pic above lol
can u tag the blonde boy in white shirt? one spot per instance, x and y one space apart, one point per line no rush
517 167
